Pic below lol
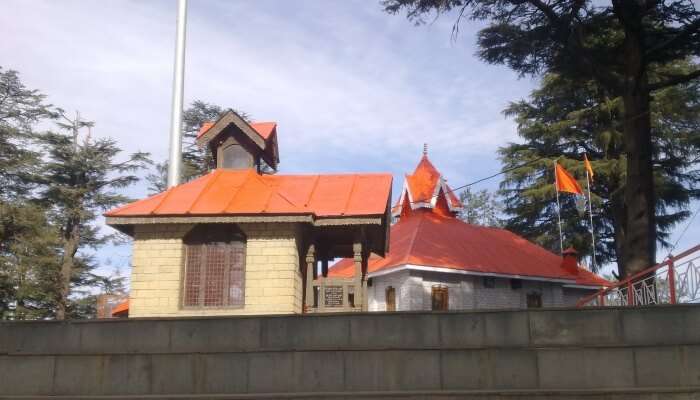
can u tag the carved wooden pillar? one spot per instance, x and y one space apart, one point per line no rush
358 256
310 267
365 260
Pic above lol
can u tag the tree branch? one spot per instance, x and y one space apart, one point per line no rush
694 27
547 10
675 80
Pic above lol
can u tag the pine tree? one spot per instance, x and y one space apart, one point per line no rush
27 241
80 180
564 119
480 208
617 45
20 108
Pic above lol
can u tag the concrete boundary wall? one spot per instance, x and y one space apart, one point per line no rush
645 353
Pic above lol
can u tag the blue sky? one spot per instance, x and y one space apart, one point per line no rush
351 88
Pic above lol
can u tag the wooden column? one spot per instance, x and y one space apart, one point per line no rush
358 256
310 266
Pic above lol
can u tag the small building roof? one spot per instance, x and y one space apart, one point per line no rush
262 135
122 309
428 239
421 189
429 235
225 192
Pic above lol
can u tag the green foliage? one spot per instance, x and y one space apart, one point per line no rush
54 188
28 262
480 208
80 179
617 46
20 108
564 119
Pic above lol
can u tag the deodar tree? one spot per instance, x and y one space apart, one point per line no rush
560 120
615 44
81 178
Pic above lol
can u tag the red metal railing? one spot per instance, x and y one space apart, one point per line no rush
676 280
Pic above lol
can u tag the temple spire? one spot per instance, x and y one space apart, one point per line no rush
425 149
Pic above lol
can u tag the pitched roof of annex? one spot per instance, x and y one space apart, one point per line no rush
427 239
429 235
224 192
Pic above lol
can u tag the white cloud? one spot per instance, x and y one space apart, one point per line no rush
350 87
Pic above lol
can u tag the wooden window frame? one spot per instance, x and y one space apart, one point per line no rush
443 293
488 282
390 290
207 240
537 297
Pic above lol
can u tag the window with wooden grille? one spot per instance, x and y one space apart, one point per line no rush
534 300
214 273
390 299
440 298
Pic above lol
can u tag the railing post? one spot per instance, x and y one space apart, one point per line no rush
630 293
671 280
357 291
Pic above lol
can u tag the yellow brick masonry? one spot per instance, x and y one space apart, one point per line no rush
273 283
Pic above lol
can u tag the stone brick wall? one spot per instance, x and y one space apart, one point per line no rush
466 292
650 353
273 282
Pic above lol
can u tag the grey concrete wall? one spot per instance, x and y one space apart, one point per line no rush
649 353
466 292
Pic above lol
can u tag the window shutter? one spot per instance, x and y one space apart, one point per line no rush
390 299
214 267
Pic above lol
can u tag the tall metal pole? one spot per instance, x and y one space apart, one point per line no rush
556 190
590 214
175 162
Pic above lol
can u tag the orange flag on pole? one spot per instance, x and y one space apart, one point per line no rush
588 166
565 182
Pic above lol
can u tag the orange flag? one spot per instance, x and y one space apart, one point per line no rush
565 182
588 166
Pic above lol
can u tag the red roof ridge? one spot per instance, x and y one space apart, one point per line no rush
413 238
352 189
238 190
132 204
275 190
169 192
215 176
313 190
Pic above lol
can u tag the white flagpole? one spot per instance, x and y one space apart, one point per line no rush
175 161
556 190
590 214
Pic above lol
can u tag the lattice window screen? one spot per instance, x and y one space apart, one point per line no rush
215 275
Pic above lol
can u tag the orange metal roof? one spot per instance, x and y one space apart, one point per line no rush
432 236
426 238
422 187
121 309
264 129
245 192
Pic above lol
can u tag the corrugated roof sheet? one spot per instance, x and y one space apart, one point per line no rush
245 192
425 238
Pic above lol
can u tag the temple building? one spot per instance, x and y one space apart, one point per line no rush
242 241
436 261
